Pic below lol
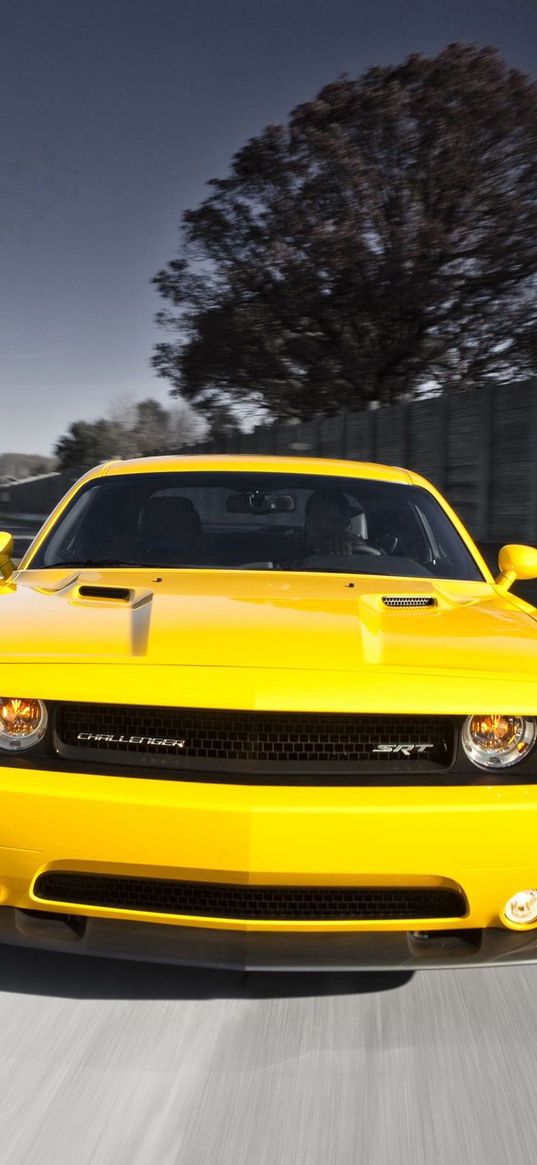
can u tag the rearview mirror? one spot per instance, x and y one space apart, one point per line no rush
6 556
516 562
259 502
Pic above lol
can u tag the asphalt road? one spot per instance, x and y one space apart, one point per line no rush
133 1064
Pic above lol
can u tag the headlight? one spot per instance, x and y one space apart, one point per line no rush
496 742
22 722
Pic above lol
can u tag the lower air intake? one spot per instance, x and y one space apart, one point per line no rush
277 903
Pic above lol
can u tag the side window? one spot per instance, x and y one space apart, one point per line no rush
395 528
437 549
70 530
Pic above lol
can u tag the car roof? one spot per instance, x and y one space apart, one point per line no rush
221 462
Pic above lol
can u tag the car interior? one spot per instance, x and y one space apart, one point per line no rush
181 521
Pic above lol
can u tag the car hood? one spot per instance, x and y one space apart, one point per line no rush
246 622
258 619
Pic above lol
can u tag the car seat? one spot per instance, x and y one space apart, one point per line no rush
169 529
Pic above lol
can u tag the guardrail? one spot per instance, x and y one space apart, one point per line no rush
23 528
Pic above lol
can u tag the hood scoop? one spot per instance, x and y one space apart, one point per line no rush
92 594
121 594
409 601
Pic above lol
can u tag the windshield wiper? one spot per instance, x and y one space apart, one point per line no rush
73 562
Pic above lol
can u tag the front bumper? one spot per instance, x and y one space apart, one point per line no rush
478 838
265 951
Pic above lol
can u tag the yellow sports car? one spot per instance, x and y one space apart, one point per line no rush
267 712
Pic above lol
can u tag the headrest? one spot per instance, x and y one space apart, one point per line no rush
172 517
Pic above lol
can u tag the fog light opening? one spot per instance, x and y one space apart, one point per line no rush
521 909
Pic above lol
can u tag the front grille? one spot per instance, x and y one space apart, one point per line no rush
278 903
409 601
275 742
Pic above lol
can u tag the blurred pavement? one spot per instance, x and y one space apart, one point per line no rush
112 1063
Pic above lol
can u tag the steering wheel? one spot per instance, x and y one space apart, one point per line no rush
367 549
389 542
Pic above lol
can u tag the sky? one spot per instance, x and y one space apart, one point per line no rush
115 113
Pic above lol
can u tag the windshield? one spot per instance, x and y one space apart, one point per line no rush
258 521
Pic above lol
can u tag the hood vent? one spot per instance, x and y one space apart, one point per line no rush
409 601
123 594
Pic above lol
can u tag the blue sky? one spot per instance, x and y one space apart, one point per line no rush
114 115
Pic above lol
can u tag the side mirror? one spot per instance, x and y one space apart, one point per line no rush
6 556
516 562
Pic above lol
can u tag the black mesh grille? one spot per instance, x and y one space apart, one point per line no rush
409 601
211 739
215 900
89 592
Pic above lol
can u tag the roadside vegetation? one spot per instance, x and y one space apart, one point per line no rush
379 244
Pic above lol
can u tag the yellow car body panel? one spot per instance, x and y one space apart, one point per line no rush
256 640
482 839
260 641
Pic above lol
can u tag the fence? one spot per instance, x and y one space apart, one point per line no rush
479 447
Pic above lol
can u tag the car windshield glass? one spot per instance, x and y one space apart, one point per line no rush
258 521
